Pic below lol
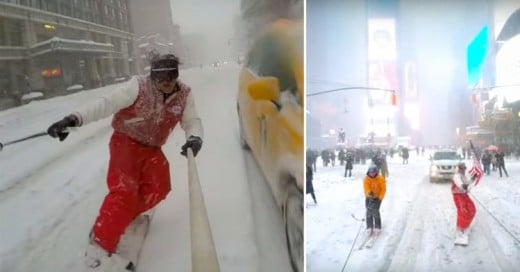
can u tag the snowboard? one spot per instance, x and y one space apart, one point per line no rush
132 240
461 239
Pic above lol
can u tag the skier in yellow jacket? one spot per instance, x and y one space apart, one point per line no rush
375 189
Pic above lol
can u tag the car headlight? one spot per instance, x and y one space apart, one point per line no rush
434 168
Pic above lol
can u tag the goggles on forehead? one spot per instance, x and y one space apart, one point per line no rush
164 69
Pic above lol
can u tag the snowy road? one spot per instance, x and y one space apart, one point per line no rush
50 192
418 223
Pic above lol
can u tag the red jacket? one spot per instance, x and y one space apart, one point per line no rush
150 119
141 113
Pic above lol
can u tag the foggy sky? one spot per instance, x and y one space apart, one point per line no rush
209 18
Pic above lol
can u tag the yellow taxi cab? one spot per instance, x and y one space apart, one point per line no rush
270 110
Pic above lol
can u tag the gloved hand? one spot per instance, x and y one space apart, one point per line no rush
371 196
59 129
473 177
372 203
193 142
465 187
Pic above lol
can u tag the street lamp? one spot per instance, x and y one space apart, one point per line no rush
393 98
393 101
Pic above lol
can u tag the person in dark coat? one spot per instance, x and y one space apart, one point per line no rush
342 156
486 161
501 163
312 156
349 163
325 157
406 155
309 189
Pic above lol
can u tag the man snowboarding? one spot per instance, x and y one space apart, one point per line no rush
146 110
466 210
375 189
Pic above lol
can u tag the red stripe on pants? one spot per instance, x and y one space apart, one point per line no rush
138 178
465 210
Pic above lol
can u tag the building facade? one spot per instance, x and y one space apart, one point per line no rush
57 45
152 23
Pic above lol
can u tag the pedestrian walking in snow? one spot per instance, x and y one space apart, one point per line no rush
405 155
460 188
501 164
349 163
486 161
146 110
375 189
309 188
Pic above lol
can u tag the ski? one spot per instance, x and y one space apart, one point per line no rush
370 243
365 241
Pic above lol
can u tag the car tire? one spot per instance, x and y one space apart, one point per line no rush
243 142
293 217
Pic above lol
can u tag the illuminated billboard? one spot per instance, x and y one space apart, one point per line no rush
381 40
382 74
476 53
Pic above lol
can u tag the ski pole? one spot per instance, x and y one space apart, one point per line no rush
356 218
22 139
353 244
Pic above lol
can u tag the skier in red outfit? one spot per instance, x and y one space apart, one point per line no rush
460 187
146 110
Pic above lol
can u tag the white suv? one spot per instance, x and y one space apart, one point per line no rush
444 164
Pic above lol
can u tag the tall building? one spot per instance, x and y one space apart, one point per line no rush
153 26
418 48
55 45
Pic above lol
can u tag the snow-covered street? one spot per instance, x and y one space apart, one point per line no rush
418 219
50 191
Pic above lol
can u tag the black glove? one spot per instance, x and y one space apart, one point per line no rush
59 129
371 195
465 187
193 142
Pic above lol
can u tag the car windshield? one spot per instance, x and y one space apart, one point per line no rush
445 156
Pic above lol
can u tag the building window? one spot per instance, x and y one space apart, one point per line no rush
15 31
51 6
37 4
65 9
2 34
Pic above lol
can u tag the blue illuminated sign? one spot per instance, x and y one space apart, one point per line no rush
476 56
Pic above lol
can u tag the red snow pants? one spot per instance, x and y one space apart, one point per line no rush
465 210
138 179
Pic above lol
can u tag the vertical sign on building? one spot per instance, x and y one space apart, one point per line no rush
476 53
382 72
382 56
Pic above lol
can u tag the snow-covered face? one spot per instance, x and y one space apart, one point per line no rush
166 86
165 81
